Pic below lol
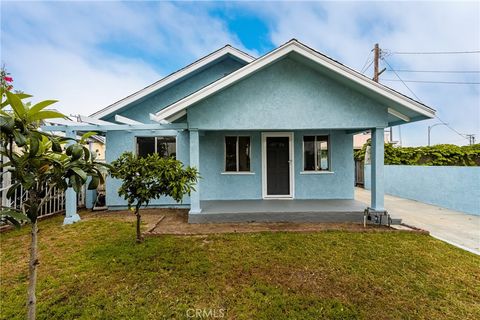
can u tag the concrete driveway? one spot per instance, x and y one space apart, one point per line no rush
457 228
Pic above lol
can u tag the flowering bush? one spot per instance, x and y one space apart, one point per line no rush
6 80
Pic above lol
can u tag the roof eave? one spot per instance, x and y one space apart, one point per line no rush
295 46
216 55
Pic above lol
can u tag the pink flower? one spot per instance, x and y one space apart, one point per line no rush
8 79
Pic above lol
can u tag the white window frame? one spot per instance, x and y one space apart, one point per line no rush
237 165
315 171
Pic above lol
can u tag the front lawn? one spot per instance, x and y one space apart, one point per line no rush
95 270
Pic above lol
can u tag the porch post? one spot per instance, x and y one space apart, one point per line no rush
195 162
71 215
377 151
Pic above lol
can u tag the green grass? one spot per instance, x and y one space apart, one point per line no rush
94 270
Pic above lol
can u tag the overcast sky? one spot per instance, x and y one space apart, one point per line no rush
90 54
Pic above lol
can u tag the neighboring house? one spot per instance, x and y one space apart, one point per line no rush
277 127
360 139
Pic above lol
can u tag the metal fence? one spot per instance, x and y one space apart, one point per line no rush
54 203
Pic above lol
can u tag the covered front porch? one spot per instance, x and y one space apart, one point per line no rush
314 197
296 210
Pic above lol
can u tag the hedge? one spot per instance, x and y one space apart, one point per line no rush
437 155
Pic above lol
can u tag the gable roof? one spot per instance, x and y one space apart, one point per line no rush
312 55
171 78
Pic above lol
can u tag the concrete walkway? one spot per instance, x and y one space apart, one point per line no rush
457 228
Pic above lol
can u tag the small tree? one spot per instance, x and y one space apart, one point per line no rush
38 162
150 177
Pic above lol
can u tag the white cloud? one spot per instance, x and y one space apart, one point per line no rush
89 54
61 50
81 85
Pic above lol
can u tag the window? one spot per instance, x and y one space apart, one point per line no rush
237 154
164 146
315 153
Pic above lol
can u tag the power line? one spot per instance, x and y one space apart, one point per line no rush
366 61
388 64
436 52
436 71
368 67
446 124
428 81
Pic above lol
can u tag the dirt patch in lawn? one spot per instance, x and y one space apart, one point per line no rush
175 222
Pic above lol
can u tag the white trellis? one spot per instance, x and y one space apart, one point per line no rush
86 124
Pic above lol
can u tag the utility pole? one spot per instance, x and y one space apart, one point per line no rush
376 74
471 139
376 58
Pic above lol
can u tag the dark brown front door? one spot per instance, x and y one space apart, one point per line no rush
278 166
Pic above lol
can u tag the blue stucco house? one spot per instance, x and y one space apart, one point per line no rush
261 131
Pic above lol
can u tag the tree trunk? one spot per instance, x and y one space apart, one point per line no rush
139 233
32 277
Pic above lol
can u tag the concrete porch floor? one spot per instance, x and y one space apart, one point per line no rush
276 210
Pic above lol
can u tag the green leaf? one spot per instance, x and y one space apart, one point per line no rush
69 150
16 104
93 185
44 115
34 145
23 95
86 153
12 189
40 106
80 173
15 217
19 138
77 151
56 146
87 135
76 183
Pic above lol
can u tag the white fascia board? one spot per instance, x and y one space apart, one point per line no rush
398 114
63 122
93 120
293 46
364 81
125 120
174 77
177 116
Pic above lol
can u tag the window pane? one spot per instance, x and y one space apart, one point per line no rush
308 153
322 153
145 146
244 153
166 147
230 153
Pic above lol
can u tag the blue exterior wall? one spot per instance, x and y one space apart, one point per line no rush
118 142
339 184
287 95
456 188
140 110
121 141
218 185
215 184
